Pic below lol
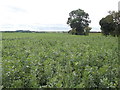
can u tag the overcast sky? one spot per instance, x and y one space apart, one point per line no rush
36 12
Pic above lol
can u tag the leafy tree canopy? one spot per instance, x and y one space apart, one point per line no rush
110 25
78 20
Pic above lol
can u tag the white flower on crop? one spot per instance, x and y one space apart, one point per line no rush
27 66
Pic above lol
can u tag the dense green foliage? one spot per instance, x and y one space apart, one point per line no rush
110 25
79 22
59 60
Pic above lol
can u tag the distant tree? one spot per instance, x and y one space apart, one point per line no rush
110 25
116 20
87 30
107 25
78 20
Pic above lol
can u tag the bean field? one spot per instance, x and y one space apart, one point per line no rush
59 60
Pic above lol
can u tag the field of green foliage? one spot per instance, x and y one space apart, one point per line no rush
56 60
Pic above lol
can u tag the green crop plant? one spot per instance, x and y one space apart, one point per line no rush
59 60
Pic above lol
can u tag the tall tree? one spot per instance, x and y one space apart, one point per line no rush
107 25
78 21
116 20
110 25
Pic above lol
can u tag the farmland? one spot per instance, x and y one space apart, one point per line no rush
56 60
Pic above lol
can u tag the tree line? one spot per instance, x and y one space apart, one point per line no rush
79 21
